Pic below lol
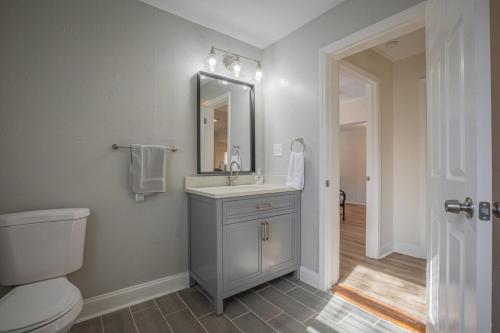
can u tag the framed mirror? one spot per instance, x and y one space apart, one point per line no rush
226 125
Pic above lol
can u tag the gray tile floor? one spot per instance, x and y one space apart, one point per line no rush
283 305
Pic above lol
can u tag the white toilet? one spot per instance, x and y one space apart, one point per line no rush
37 250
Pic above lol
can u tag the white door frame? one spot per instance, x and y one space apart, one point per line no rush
373 158
404 22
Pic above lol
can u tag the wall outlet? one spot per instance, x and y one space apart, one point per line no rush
278 149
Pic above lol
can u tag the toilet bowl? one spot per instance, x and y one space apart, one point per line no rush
37 250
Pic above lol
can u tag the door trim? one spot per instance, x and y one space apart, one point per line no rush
404 22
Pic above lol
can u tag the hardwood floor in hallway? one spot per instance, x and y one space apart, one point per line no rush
396 282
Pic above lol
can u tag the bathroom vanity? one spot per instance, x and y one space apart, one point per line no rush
242 236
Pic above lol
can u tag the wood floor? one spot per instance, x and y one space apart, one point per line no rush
396 282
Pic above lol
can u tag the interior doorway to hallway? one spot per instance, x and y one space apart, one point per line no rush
382 139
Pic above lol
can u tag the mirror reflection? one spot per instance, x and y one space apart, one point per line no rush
225 113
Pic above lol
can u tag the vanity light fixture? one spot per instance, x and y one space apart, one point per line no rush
258 72
211 60
233 62
236 67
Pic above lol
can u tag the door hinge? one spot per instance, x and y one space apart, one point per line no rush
205 121
327 183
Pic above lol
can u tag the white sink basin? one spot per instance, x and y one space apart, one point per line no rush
238 190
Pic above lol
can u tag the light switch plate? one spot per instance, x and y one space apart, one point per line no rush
278 149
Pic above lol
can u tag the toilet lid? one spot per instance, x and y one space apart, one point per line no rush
37 303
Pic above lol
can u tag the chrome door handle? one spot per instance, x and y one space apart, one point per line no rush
456 207
496 209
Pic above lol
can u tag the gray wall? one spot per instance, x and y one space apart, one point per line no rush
291 97
77 76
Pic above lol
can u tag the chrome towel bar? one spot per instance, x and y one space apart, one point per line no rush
117 146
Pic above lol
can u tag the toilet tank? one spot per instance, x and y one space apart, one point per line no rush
41 244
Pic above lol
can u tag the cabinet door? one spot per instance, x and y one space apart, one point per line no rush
242 252
280 245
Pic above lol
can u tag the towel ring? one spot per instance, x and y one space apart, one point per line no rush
299 140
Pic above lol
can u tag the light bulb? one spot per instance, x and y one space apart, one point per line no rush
211 60
258 72
236 67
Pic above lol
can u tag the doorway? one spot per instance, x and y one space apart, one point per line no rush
459 112
382 257
381 265
360 160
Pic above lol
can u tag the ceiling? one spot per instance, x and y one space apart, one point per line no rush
407 46
257 22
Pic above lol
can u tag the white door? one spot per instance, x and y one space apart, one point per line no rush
459 165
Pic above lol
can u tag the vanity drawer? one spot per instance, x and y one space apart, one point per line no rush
261 205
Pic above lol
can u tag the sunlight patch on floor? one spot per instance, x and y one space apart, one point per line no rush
368 275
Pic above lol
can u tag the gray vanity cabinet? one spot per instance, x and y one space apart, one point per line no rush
241 253
240 242
279 250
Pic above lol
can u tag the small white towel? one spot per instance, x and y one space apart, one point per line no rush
295 176
147 170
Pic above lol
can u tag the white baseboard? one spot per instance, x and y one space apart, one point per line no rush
355 203
119 299
310 277
385 250
410 250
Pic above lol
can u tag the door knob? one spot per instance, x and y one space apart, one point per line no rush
456 207
496 209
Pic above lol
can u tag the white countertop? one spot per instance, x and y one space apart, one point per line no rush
218 192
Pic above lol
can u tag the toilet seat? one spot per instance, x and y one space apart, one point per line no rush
32 306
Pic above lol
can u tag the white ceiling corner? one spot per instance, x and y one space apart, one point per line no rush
257 22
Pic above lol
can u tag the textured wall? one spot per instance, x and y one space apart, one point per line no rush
77 76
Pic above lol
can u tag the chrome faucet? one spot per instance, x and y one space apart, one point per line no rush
232 178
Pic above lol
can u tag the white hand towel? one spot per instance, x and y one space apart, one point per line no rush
295 176
147 170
